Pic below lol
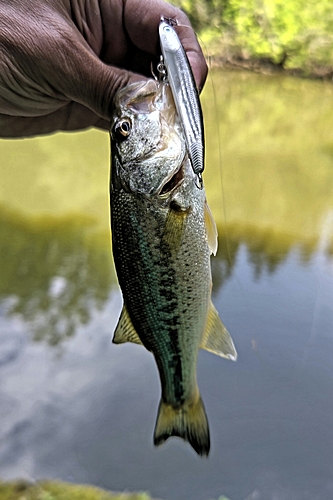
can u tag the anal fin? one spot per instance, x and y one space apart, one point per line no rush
216 338
125 331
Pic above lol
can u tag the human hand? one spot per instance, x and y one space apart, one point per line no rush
62 61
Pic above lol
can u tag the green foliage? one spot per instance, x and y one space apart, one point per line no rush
203 13
293 33
56 490
269 165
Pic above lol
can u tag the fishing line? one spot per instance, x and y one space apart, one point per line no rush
221 171
220 154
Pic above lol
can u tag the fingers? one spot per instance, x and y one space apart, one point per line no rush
142 27
54 68
125 33
60 68
135 43
82 77
49 64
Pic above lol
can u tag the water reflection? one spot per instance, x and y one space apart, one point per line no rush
55 271
266 249
271 412
269 162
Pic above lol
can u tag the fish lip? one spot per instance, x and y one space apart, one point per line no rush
175 179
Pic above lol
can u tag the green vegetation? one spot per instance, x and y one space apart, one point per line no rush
55 246
47 490
57 174
294 34
268 178
269 165
56 490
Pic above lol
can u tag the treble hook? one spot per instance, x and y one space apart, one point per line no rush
199 181
161 68
172 21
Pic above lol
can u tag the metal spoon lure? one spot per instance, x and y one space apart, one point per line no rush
185 94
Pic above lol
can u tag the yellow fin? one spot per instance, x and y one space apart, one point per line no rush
216 338
211 229
188 421
125 331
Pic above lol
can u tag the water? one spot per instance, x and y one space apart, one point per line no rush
75 407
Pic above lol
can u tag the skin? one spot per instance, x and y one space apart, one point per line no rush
62 61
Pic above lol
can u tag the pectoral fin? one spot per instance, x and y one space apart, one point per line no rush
174 228
216 338
211 229
125 331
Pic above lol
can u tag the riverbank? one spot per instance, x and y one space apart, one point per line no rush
267 36
267 67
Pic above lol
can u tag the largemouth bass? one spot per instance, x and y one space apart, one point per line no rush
162 236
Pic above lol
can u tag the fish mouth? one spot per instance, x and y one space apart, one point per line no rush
174 181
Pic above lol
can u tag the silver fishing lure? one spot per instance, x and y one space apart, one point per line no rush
185 94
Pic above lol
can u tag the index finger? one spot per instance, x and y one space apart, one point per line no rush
141 22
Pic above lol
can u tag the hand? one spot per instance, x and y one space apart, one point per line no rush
62 61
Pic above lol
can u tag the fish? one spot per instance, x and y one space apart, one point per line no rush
163 234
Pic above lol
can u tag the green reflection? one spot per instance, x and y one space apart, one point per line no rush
57 174
270 190
54 270
274 176
266 250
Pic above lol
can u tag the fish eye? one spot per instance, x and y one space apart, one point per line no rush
122 129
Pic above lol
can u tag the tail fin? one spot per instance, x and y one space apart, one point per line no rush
188 422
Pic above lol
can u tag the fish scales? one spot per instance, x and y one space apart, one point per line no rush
160 290
161 247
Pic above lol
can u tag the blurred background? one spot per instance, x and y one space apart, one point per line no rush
76 408
294 35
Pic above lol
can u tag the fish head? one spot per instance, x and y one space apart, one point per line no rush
148 146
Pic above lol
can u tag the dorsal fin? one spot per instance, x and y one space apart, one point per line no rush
216 338
211 229
125 331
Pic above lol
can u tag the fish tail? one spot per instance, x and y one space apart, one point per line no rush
188 421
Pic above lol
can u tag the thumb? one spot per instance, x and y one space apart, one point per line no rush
82 77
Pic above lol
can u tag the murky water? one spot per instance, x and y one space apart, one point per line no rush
75 407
